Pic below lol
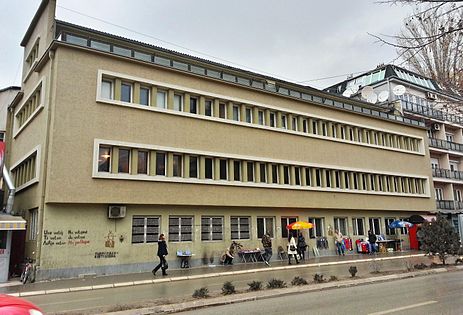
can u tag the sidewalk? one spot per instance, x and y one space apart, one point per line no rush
124 280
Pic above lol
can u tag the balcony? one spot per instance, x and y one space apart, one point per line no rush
449 205
431 112
445 145
444 173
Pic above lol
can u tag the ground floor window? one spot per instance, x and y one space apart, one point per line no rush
340 224
358 226
388 221
33 216
211 228
375 225
265 225
318 229
180 229
403 231
145 229
284 223
240 228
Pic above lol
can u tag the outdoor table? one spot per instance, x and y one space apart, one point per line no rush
250 255
184 258
395 244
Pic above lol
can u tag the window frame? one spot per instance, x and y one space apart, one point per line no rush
264 227
178 96
146 162
130 85
148 97
109 158
164 98
158 154
355 226
210 226
239 227
373 227
145 229
285 220
313 233
129 160
343 228
180 225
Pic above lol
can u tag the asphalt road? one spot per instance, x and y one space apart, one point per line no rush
436 294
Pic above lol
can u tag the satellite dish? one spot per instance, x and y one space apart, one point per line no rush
367 91
383 96
372 98
347 93
399 90
354 89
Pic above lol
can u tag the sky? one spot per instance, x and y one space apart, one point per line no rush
294 40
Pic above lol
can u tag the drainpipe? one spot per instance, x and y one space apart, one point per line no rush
11 188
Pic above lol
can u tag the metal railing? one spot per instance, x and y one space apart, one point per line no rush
449 205
445 145
431 112
445 173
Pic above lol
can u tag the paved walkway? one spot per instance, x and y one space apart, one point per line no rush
123 280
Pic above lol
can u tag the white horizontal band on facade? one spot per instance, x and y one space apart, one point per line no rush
100 99
97 174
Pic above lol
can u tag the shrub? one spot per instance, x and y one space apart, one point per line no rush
255 286
353 271
228 288
276 284
299 281
334 278
201 293
318 278
420 266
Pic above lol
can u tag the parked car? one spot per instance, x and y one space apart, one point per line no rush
10 305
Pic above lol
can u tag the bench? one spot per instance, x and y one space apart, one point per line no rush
184 256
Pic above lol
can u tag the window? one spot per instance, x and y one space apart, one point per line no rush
161 99
142 162
272 119
274 173
142 56
32 225
177 167
404 230
124 161
161 164
209 173
308 177
2 136
126 92
237 170
434 163
263 173
180 229
343 132
240 228
193 105
286 175
337 179
318 229
358 226
328 178
388 221
144 96
294 120
284 122
284 223
297 175
145 229
248 115
449 136
304 126
107 89
375 225
222 111
104 159
178 102
340 224
456 195
324 129
261 117
250 169
211 228
209 108
315 127
265 225
223 169
439 193
318 178
193 167
236 112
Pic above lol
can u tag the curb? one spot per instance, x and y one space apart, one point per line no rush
207 275
267 294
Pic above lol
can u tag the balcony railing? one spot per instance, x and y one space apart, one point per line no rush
431 112
445 145
449 205
444 173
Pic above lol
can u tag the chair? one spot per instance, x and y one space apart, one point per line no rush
282 253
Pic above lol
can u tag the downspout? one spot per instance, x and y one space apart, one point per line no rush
11 189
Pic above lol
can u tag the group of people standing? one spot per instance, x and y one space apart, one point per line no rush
296 249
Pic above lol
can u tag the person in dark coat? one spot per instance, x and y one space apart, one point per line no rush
301 246
372 240
162 253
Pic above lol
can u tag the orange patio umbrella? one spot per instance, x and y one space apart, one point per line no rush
299 225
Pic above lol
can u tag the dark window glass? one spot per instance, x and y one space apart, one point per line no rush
286 174
248 115
209 166
284 223
161 164
222 111
208 109
193 105
237 170
318 178
124 160
274 174
126 92
264 225
328 177
223 169
144 96
263 173
177 167
297 175
236 113
193 167
104 159
142 162
308 178
250 171
272 119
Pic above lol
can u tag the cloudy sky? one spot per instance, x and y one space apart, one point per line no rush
295 40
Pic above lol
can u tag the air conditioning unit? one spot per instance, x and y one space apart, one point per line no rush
436 127
431 96
116 212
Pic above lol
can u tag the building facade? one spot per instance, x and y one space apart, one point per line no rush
116 141
421 98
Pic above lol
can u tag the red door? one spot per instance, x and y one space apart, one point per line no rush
413 239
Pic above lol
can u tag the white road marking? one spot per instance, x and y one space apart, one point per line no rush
403 308
70 301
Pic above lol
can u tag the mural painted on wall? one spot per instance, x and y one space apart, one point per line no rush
99 255
57 238
109 242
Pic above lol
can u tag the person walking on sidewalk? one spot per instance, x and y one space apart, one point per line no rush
267 243
292 249
162 253
372 240
338 242
301 246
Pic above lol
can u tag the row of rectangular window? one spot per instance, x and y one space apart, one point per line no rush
264 85
146 229
29 107
136 92
33 54
25 171
172 164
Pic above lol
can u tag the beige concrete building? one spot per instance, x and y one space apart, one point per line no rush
116 141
